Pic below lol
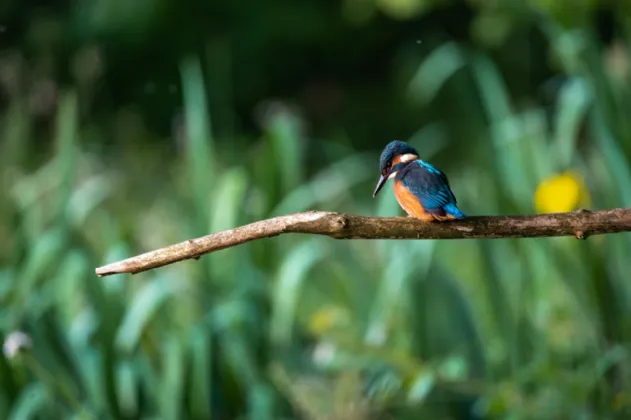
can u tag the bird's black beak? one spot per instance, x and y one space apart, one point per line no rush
381 183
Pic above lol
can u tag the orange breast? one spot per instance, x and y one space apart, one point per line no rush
410 203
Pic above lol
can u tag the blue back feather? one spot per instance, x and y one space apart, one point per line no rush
431 186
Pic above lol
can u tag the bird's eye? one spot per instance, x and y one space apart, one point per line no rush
387 168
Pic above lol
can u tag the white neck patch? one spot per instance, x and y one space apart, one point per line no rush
408 157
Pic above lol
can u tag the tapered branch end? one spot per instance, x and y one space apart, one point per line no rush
109 269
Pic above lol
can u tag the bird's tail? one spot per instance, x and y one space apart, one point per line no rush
453 210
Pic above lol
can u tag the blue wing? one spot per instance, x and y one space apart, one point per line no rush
430 185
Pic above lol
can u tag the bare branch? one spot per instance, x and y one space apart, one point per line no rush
581 224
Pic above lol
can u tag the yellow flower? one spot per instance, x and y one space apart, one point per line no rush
561 193
327 318
620 401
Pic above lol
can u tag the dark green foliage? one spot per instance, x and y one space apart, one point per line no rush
126 126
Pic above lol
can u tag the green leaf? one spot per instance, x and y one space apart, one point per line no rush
572 106
144 306
329 184
286 295
421 386
67 151
172 380
200 378
284 130
126 388
32 402
200 147
434 72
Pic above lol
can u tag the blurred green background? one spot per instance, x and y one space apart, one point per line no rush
130 125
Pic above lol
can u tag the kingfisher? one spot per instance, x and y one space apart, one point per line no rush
422 190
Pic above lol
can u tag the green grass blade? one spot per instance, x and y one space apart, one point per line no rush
200 378
144 306
284 131
32 403
200 147
67 151
126 388
435 71
571 111
286 295
172 380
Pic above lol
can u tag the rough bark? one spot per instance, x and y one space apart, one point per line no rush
580 224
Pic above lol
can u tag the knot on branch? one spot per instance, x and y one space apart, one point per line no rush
339 223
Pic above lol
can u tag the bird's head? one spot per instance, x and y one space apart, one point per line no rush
394 156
